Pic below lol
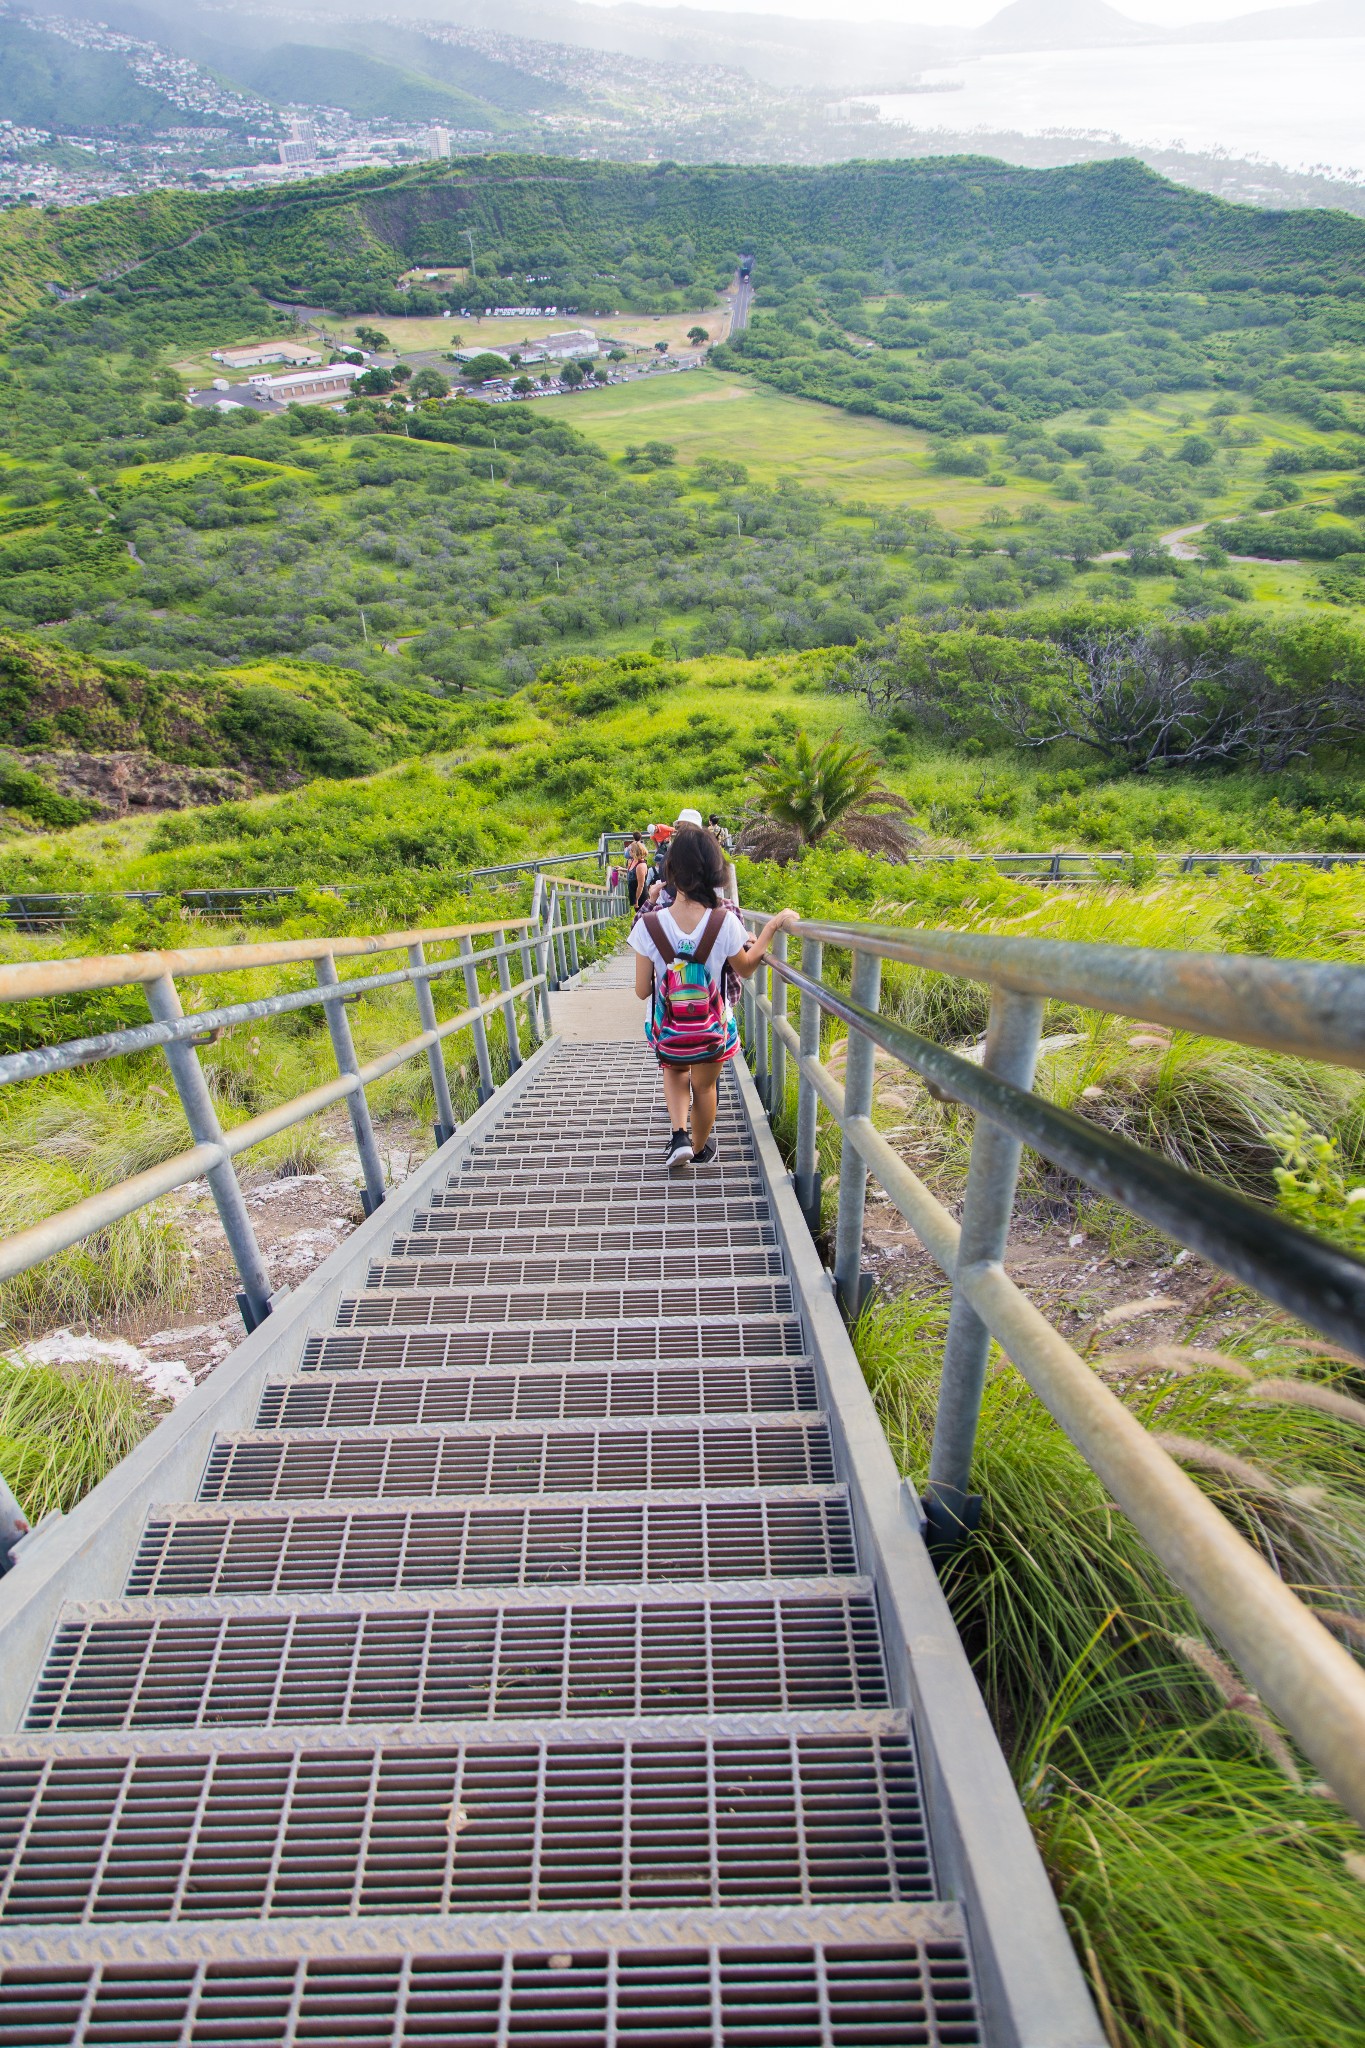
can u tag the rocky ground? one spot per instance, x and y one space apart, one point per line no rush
299 1221
1101 1299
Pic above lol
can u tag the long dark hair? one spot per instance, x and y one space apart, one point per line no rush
694 867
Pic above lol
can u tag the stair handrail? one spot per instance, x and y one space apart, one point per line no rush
1313 1010
580 908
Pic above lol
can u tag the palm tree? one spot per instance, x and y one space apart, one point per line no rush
832 790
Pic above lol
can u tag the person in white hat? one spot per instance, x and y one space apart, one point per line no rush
688 817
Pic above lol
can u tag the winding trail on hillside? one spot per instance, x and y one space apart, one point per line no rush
1177 540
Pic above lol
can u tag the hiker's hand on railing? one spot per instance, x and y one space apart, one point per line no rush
745 963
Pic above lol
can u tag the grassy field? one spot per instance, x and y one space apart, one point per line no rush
878 464
707 413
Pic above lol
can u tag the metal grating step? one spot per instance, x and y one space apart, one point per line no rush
693 1205
440 1240
558 1344
912 1994
674 1265
402 1661
363 1403
449 1308
218 1827
316 1548
586 1457
569 1131
623 1180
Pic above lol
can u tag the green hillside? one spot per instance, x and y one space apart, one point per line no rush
455 64
278 722
310 74
48 83
681 228
1031 421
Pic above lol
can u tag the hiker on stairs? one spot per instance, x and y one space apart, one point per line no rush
682 952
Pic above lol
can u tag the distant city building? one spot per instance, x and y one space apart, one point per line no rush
523 312
301 147
333 380
438 142
265 352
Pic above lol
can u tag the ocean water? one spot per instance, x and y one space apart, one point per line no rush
1301 104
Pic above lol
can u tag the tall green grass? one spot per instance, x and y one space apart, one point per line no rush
62 1428
1208 1884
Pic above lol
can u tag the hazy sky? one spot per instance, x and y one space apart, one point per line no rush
967 13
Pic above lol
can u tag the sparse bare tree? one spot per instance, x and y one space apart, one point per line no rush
1142 702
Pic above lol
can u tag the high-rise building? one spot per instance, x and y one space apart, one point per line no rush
301 146
438 142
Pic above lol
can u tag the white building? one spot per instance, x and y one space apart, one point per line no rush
332 380
576 341
438 142
266 352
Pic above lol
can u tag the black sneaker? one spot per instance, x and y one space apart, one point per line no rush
708 1154
678 1151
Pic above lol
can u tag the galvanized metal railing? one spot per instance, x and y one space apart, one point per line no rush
1062 865
1314 1011
544 946
34 910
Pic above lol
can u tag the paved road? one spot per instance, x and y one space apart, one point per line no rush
743 301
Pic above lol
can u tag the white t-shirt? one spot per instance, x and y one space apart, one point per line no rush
731 939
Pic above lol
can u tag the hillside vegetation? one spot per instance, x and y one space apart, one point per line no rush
49 83
598 746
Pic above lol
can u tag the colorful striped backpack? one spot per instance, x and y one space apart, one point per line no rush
689 1020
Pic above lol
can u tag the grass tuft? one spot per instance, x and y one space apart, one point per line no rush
62 1428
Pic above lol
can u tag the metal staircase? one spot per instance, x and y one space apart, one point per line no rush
523 1638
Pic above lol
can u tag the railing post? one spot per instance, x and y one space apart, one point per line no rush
559 971
472 996
570 929
852 1284
807 1102
440 1080
528 974
544 953
343 1046
163 1000
951 1509
761 1027
14 1526
509 1008
777 1078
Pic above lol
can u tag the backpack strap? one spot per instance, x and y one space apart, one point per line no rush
654 926
708 935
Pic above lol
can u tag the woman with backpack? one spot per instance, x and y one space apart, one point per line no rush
682 953
637 870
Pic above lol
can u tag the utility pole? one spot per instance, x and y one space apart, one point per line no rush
469 237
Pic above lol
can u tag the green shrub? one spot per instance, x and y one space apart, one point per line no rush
279 732
22 790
